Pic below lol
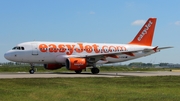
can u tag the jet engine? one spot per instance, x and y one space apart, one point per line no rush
52 66
76 63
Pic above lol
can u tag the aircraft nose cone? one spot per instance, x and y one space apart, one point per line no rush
7 56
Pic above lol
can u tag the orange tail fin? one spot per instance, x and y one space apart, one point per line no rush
145 35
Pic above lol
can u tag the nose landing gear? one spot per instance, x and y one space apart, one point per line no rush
31 71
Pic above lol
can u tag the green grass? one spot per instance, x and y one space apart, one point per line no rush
165 88
11 68
104 68
126 68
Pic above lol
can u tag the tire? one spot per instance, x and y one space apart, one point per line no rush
78 71
95 70
31 71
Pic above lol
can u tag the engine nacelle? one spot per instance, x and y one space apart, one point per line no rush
76 63
53 66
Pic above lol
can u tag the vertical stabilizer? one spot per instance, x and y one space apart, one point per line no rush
145 35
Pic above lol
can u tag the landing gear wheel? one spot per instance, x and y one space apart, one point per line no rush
31 71
78 71
95 70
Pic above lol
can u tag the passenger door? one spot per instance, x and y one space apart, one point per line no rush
34 49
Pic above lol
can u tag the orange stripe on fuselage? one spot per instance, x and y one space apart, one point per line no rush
79 48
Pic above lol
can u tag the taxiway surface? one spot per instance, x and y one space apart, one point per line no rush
102 74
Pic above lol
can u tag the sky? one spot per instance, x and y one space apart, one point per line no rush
100 21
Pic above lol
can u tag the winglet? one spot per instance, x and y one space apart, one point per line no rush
145 35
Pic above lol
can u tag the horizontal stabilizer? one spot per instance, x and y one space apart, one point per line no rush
165 47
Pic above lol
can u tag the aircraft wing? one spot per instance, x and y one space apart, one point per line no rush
130 53
115 54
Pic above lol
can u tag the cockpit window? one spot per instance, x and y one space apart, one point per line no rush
15 48
18 48
22 48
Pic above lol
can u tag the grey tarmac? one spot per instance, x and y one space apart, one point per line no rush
86 74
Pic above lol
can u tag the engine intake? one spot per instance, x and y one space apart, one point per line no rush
76 63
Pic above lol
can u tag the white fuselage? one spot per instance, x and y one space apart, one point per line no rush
58 52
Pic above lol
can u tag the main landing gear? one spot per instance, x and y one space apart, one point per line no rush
31 71
94 70
78 71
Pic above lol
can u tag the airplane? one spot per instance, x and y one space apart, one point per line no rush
77 56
